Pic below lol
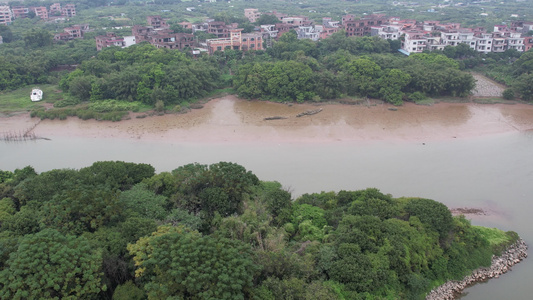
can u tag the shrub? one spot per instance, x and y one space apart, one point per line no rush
508 94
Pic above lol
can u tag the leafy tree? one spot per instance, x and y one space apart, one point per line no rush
38 38
144 202
128 291
6 34
185 264
51 265
265 19
432 213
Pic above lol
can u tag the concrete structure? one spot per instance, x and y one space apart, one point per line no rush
20 12
55 9
6 15
252 14
178 41
308 32
40 12
236 41
156 22
528 43
68 10
70 33
109 40
363 26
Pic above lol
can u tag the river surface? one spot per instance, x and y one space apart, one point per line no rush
493 172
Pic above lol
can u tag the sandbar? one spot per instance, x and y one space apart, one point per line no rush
230 119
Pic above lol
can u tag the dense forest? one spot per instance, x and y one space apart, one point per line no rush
117 230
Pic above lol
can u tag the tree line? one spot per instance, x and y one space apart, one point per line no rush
117 230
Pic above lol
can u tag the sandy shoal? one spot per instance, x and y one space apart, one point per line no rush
230 119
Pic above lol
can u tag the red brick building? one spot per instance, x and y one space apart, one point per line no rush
156 22
178 41
109 40
361 27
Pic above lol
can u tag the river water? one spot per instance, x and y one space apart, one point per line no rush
492 172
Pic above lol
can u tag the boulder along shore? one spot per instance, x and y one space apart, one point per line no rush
500 265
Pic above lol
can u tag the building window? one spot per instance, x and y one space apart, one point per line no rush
252 39
252 46
244 40
219 48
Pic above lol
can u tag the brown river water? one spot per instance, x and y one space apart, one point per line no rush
464 155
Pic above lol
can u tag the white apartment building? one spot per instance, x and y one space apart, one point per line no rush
308 32
484 43
387 32
414 42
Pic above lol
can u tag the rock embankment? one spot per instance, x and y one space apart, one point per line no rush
500 264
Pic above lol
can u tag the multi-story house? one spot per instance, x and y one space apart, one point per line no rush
528 43
484 43
415 41
387 32
71 33
252 14
156 22
308 32
515 41
40 12
55 9
236 41
109 40
220 29
363 26
68 10
20 12
178 41
6 16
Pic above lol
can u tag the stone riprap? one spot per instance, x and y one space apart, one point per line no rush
500 264
486 87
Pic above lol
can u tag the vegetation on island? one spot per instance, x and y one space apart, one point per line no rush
117 230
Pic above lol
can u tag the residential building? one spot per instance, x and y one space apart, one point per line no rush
20 12
414 41
70 33
55 9
308 32
40 12
252 14
6 15
109 40
484 43
387 32
178 41
220 29
68 10
528 43
236 41
363 26
156 22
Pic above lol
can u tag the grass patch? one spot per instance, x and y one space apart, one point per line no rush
492 100
220 92
498 239
449 99
19 100
427 102
109 110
